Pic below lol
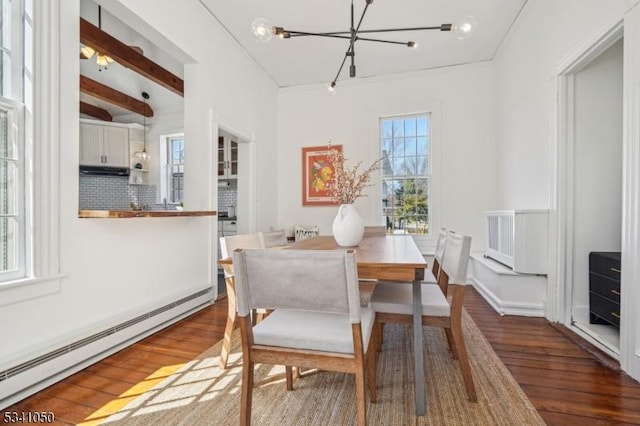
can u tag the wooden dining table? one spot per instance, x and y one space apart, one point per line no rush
389 258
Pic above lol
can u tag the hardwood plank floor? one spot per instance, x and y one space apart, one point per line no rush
566 384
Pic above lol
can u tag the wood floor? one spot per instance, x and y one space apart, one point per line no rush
564 382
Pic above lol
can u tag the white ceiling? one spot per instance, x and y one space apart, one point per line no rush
308 60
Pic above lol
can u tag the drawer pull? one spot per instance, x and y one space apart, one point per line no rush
615 315
616 292
615 270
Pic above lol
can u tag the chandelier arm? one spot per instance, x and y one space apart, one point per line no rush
443 27
303 34
340 69
403 43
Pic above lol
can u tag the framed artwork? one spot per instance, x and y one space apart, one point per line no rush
317 172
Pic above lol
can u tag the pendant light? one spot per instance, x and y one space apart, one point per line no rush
87 52
144 155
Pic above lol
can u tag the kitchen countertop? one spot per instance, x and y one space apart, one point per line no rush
119 214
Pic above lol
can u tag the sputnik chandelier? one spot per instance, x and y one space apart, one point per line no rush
264 32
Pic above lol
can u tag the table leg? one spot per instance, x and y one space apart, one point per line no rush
418 358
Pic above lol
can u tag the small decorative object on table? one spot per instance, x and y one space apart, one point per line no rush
347 186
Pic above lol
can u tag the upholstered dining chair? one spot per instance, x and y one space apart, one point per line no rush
227 246
432 278
316 322
441 302
276 238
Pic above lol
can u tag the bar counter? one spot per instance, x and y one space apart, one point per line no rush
123 214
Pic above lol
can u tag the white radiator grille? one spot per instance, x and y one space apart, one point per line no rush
500 235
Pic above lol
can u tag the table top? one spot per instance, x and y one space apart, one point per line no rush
398 250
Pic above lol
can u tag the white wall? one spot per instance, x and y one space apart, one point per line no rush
544 34
116 268
464 141
597 165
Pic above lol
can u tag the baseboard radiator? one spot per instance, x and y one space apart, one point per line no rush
518 239
24 379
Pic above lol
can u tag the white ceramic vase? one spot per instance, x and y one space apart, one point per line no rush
348 228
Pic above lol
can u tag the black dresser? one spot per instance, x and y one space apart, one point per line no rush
604 288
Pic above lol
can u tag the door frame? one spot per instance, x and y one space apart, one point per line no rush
560 279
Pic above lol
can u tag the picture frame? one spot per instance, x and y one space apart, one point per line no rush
317 172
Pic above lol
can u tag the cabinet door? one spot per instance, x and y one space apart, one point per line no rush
222 157
232 164
91 145
116 146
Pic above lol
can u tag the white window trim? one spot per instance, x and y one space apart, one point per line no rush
42 156
426 243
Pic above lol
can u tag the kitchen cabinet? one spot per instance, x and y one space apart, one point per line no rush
227 158
102 145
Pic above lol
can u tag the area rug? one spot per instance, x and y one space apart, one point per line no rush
202 394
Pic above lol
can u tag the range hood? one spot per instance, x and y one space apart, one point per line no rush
104 171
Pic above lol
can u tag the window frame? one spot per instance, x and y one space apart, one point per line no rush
166 181
41 80
425 242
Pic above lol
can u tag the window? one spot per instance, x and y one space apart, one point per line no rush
405 173
174 169
12 142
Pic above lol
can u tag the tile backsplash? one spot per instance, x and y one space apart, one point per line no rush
227 196
113 193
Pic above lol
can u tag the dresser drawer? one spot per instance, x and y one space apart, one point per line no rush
606 264
602 310
604 286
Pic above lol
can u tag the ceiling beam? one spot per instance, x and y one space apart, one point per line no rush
95 111
108 45
106 93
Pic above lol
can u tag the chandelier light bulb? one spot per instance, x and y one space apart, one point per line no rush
102 60
262 30
331 88
412 44
464 27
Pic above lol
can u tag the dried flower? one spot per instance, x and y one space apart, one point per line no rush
348 183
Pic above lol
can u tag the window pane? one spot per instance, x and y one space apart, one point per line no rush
8 185
410 147
410 126
398 127
8 244
421 166
386 129
7 142
398 166
422 146
421 124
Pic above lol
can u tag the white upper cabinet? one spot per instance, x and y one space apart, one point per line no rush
227 158
103 145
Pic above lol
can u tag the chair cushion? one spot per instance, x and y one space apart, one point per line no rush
318 331
397 298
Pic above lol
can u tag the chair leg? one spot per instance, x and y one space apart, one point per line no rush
289 374
231 323
378 332
361 408
451 343
247 393
463 358
372 358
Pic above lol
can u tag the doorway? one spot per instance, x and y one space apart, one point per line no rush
589 190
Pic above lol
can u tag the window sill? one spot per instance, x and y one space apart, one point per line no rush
28 288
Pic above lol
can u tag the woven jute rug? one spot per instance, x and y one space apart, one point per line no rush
201 394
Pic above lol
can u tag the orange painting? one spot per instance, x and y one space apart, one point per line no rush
317 173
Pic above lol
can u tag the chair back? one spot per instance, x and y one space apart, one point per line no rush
230 243
375 231
274 238
311 280
437 258
302 233
456 258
